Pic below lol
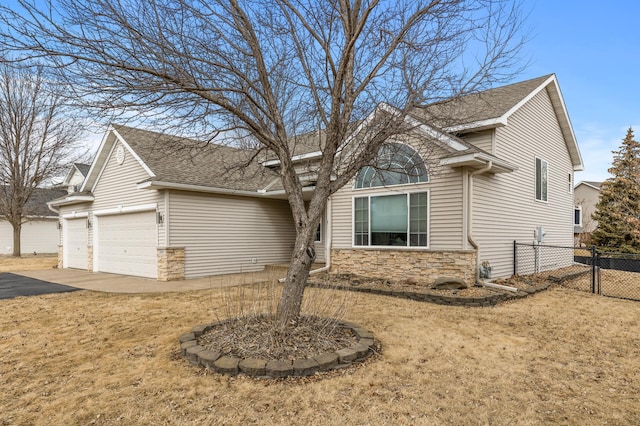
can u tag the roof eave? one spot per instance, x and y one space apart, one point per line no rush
260 193
67 201
478 160
491 123
296 158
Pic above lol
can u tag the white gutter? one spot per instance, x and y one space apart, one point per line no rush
50 207
213 190
478 156
73 199
490 123
295 158
473 243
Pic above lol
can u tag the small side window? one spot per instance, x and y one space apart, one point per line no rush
541 179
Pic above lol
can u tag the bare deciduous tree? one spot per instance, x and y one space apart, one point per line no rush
37 142
271 70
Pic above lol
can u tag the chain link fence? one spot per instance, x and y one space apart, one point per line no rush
587 269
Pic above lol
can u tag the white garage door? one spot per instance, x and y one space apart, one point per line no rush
75 244
127 244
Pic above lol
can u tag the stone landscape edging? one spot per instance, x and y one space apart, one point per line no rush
217 362
441 299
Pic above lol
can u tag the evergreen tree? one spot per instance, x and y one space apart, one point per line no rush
618 211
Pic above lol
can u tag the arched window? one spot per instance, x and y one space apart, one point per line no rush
397 164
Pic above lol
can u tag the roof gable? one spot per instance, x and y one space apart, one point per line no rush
485 109
590 184
493 108
100 161
169 159
77 173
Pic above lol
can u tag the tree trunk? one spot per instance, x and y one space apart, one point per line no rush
301 261
16 239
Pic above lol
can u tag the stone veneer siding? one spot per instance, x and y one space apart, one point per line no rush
423 266
90 256
171 263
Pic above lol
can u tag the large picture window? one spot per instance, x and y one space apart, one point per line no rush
541 179
398 220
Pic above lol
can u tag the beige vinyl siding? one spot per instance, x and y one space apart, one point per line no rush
321 245
445 207
39 236
587 197
224 234
505 208
483 139
117 186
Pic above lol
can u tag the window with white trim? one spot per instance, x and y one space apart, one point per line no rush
318 238
542 180
570 183
396 164
577 216
393 220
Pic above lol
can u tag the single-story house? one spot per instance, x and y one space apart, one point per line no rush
500 169
39 233
586 195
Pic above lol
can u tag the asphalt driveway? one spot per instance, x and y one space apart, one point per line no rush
12 285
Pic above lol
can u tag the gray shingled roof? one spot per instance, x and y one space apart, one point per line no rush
189 162
481 106
83 168
185 161
485 105
37 203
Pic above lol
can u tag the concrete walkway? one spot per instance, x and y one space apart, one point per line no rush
112 283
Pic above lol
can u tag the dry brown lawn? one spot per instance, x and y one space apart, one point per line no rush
559 357
27 262
613 283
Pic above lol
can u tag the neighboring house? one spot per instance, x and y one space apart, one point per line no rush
586 195
494 173
39 233
74 178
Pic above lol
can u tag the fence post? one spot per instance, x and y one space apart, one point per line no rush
598 272
593 269
515 266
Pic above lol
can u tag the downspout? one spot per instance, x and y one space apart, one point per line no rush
327 243
473 243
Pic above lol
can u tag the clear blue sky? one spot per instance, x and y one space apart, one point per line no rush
593 47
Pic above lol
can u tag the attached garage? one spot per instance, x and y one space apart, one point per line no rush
75 243
126 244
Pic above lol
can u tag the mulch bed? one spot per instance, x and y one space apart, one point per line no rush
471 296
259 337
